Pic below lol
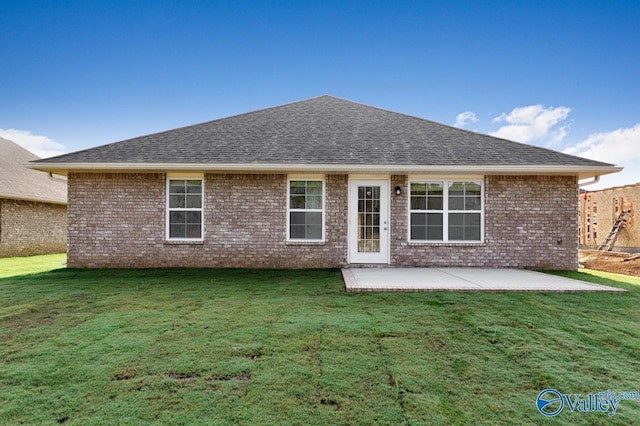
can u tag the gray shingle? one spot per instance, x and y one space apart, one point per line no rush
18 182
322 130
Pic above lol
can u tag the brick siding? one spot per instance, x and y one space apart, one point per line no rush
30 228
118 220
531 222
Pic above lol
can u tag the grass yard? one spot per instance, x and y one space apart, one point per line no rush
268 347
30 265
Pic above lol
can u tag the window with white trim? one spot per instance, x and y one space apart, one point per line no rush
184 209
305 210
446 211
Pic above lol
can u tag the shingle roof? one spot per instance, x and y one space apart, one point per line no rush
323 130
19 182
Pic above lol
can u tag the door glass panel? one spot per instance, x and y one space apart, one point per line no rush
369 219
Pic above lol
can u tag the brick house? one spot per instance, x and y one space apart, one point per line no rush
323 182
33 208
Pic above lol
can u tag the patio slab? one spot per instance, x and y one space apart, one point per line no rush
463 279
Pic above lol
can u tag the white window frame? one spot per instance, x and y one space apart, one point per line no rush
307 178
168 210
446 181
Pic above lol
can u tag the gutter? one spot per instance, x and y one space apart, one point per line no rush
57 179
45 200
583 172
595 180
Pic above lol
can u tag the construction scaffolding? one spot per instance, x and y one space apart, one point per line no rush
607 219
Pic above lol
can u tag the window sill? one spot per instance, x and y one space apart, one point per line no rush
305 243
447 244
183 242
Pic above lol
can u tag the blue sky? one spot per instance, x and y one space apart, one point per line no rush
558 74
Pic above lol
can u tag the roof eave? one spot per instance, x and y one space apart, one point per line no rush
45 200
583 172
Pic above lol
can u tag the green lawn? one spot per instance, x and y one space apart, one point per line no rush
201 346
30 265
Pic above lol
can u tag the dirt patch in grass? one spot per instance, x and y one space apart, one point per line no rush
610 262
128 373
243 377
182 376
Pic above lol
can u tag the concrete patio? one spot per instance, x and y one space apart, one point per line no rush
463 279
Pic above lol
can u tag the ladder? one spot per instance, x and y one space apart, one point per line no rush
608 243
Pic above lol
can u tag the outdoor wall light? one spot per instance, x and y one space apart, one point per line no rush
398 190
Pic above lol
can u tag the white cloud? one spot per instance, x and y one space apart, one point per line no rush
41 146
464 117
533 123
619 146
628 176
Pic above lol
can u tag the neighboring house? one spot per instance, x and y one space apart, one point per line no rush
323 182
598 212
33 208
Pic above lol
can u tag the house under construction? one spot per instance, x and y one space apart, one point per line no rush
608 219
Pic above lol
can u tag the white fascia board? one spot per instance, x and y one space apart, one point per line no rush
582 172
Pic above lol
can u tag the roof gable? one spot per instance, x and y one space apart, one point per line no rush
322 131
19 182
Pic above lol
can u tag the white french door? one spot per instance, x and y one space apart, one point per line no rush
369 221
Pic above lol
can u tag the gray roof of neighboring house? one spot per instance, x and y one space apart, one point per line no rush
321 131
21 183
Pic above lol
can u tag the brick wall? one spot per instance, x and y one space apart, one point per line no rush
525 217
118 220
29 228
115 219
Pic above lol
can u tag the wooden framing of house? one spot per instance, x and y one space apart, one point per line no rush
599 210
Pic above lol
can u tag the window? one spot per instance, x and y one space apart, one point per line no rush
427 211
305 215
184 209
447 211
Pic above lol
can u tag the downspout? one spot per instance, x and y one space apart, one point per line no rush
595 180
56 179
